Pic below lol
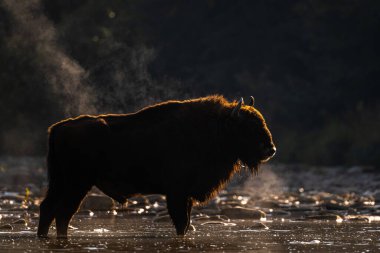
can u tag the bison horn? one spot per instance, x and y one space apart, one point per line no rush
251 101
235 111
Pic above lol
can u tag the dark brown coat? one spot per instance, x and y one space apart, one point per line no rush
185 150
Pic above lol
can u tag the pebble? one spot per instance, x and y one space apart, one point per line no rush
112 212
333 206
72 227
20 221
302 209
222 218
152 198
276 213
307 199
332 217
163 218
86 212
98 203
219 223
6 227
257 225
267 204
137 201
376 196
208 211
243 213
357 218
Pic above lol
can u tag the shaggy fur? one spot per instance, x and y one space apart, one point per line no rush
186 150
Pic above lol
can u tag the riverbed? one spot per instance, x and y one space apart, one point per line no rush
287 208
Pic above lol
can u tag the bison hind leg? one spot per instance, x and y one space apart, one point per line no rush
47 214
69 203
179 209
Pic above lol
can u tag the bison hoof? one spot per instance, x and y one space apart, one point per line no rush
181 232
42 236
62 237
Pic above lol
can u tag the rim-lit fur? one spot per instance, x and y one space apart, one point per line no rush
187 150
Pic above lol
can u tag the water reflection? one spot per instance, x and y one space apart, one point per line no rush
131 233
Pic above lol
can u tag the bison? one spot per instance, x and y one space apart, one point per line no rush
186 150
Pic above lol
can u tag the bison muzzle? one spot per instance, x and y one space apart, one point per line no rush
186 150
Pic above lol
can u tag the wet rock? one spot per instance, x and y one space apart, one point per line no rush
98 203
162 213
208 211
157 208
33 207
355 170
257 225
374 218
72 228
12 196
20 221
6 227
112 212
192 228
137 202
218 223
309 200
233 199
157 202
376 196
232 203
219 218
333 206
199 216
101 230
153 198
331 217
358 218
142 211
127 210
267 204
276 213
243 213
205 218
163 218
328 197
86 212
302 209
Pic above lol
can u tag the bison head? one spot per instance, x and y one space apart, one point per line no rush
255 144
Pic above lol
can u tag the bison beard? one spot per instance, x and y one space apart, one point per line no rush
186 150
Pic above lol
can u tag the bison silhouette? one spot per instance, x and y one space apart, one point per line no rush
186 150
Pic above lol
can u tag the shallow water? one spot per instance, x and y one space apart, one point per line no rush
102 233
285 209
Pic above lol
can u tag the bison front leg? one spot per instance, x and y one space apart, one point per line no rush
179 208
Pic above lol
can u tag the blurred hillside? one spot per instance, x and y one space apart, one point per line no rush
313 67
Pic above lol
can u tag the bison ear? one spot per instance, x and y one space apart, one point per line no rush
251 101
235 111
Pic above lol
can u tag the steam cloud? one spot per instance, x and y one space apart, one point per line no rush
118 83
268 183
66 76
124 73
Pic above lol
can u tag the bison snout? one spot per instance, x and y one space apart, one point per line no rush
269 153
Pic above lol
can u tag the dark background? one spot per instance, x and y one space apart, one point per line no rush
313 67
